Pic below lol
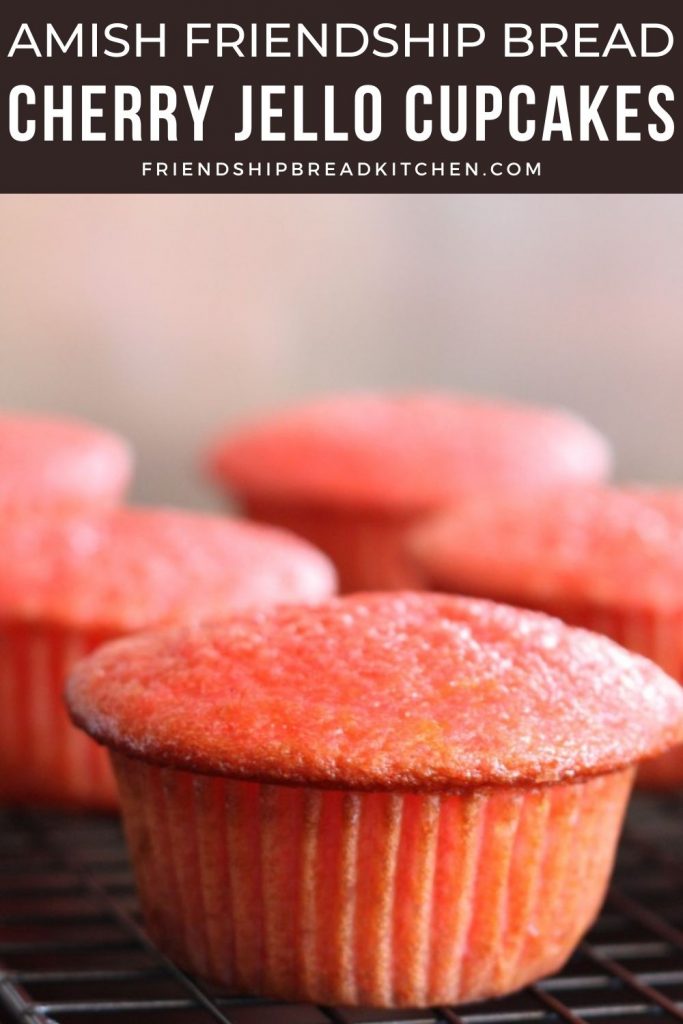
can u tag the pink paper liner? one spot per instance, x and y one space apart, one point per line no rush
367 548
44 759
375 899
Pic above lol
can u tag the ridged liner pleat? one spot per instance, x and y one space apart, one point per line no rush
44 759
381 899
368 549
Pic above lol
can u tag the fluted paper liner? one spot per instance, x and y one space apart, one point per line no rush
44 759
367 547
381 899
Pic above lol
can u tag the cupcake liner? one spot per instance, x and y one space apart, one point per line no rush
367 548
44 759
383 899
659 637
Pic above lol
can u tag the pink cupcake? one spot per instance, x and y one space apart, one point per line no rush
382 800
610 560
353 473
69 581
60 462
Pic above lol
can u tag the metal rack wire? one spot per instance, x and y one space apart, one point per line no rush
72 950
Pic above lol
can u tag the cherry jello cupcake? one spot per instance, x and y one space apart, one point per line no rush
73 580
352 473
60 462
387 799
608 559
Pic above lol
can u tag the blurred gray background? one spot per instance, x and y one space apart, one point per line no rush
168 316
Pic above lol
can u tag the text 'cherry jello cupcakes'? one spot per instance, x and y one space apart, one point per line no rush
387 799
607 559
71 581
59 462
352 472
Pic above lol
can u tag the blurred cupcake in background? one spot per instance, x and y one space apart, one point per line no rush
384 800
608 559
353 473
52 462
71 580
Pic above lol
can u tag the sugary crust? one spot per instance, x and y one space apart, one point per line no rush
406 452
59 461
619 548
380 691
126 569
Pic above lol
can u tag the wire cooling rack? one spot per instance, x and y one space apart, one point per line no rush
72 950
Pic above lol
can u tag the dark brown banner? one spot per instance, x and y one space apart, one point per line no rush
305 96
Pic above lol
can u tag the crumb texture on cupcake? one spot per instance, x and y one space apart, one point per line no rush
128 569
60 461
606 559
377 691
407 452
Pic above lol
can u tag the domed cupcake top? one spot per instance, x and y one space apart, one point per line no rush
380 691
407 451
619 547
132 568
46 461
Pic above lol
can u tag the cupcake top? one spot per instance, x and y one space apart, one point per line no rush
380 691
46 461
615 547
132 568
406 452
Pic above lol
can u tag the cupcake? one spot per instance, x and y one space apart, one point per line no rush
70 581
388 800
60 462
610 560
352 473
